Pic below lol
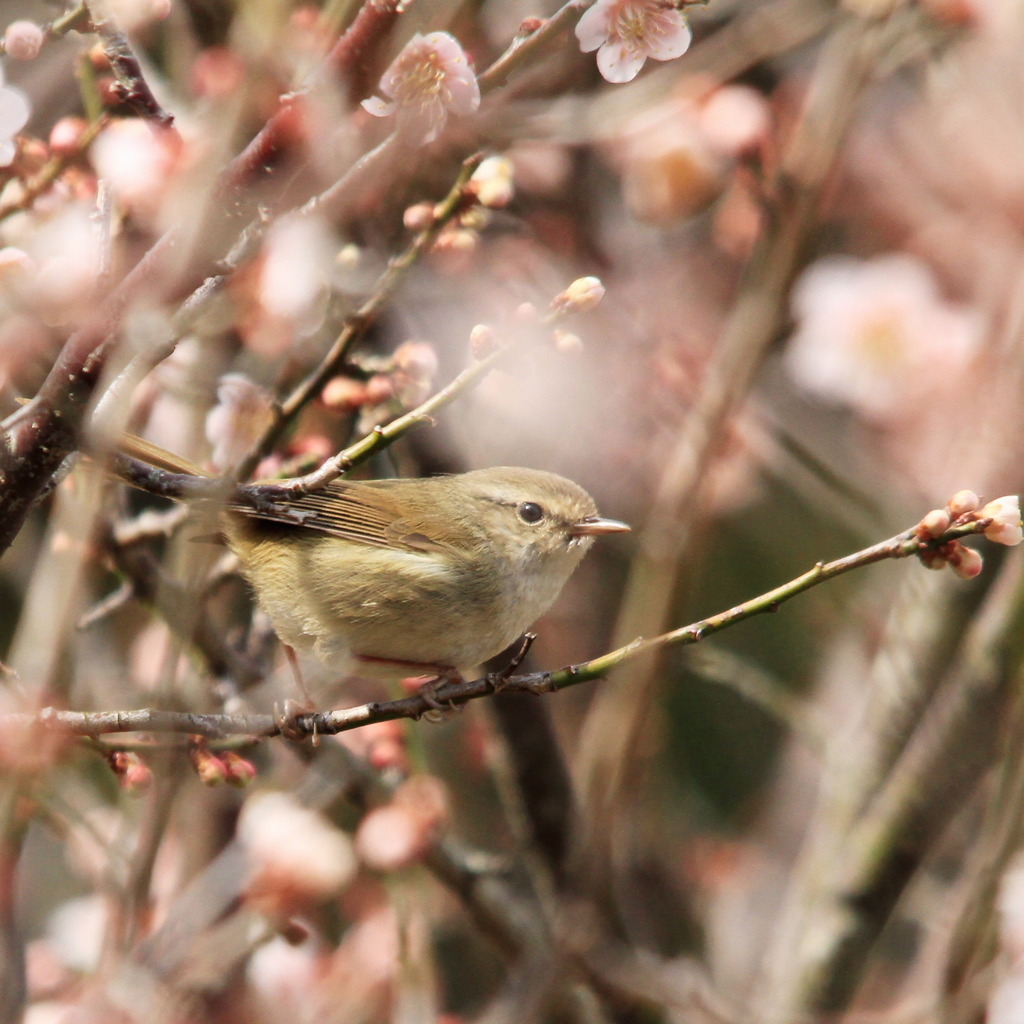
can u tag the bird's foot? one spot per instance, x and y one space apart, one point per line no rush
426 686
286 718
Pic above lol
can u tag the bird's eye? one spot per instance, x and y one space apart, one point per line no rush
530 512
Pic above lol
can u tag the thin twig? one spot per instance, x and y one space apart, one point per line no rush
215 726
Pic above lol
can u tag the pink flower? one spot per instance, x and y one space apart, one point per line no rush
1006 525
626 32
430 79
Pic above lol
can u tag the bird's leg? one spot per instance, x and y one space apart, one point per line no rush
286 714
500 678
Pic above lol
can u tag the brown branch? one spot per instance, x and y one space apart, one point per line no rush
134 89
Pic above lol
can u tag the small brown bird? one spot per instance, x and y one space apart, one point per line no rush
435 574
416 575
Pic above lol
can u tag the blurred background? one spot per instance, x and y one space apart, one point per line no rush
810 230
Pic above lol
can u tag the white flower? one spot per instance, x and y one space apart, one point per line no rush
14 114
430 79
626 32
1006 524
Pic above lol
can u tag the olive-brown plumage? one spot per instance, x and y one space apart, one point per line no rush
440 572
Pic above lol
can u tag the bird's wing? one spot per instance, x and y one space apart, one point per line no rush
364 513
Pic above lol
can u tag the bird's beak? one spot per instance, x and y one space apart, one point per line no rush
592 526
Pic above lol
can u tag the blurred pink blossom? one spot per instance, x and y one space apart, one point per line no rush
626 32
234 424
132 15
1006 1005
295 854
297 254
399 833
137 161
877 335
430 79
14 114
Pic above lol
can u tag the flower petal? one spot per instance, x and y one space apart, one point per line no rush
378 107
14 110
673 42
592 29
619 64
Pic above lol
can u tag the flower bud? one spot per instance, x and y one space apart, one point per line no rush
580 297
418 217
482 341
492 182
132 772
962 502
935 523
209 767
965 561
530 25
66 134
343 394
239 771
417 360
1006 523
23 40
568 343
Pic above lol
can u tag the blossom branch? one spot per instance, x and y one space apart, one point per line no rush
526 47
135 91
360 321
913 542
47 175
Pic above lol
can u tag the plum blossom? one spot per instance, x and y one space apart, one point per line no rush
626 32
430 79
877 335
14 114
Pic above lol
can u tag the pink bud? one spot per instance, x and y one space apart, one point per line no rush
418 217
343 394
935 523
132 772
379 389
568 343
240 772
482 341
492 182
23 40
962 502
966 562
1006 523
210 768
66 135
417 359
